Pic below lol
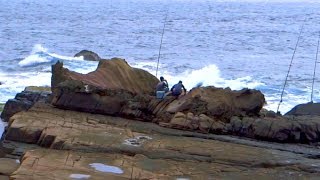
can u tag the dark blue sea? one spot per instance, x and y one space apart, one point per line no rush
236 44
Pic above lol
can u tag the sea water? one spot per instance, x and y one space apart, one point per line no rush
236 44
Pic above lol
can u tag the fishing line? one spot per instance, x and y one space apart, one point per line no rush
164 26
315 66
294 52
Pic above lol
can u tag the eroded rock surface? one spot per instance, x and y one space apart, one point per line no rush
117 89
88 128
23 101
74 141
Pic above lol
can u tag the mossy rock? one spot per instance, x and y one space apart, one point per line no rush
1 107
38 88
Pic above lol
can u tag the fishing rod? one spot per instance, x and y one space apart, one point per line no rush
164 26
294 52
315 66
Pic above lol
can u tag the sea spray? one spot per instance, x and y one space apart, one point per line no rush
209 75
40 55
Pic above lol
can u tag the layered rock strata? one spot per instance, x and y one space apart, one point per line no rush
107 124
79 143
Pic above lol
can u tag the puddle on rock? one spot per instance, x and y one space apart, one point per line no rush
79 176
182 178
106 168
137 141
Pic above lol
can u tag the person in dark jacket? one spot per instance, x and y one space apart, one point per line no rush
177 89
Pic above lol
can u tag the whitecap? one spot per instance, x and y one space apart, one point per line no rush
40 55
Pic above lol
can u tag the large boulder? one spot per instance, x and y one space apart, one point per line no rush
114 74
305 109
114 88
219 102
88 55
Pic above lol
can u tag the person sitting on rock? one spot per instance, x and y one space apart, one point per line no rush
162 88
177 89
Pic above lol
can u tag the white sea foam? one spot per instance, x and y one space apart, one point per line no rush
66 57
34 59
79 176
2 127
207 76
106 168
289 101
211 76
16 82
41 55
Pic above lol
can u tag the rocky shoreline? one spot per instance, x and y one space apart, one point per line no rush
107 124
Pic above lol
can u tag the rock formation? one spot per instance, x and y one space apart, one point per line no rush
88 55
23 101
75 143
115 88
107 124
312 109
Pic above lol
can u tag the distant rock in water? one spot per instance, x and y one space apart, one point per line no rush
88 55
305 109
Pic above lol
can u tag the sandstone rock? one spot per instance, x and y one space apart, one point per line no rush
305 109
76 140
8 166
23 101
43 89
129 92
268 113
114 88
114 74
302 129
4 177
205 123
218 102
52 164
88 55
179 120
218 127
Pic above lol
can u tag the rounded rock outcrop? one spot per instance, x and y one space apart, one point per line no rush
88 55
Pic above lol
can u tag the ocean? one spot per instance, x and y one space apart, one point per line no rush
236 44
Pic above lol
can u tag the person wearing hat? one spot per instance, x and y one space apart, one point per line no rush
177 89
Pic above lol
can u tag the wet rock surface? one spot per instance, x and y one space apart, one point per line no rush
312 109
88 55
23 101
